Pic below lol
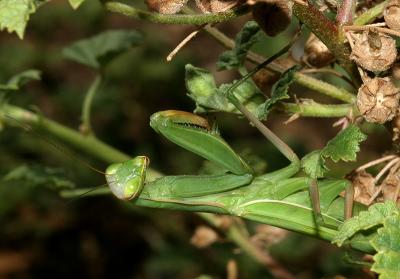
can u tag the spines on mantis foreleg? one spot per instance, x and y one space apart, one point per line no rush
192 132
126 180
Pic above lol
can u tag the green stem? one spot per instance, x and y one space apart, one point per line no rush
313 109
197 19
370 15
300 78
325 88
13 115
87 105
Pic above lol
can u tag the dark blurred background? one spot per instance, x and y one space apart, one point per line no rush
43 235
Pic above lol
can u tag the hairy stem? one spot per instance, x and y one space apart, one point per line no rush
197 19
310 108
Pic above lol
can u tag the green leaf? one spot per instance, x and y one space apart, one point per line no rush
75 3
387 244
17 81
279 91
40 176
345 145
14 14
98 50
203 90
245 39
313 164
376 215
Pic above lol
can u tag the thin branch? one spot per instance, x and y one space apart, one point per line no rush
372 28
197 19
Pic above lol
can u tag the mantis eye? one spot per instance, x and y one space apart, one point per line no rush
126 180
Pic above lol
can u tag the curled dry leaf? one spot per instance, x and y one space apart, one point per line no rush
364 186
373 51
203 237
273 16
378 100
392 14
390 184
165 6
317 53
215 6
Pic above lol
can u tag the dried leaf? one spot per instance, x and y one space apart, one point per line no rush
203 237
165 6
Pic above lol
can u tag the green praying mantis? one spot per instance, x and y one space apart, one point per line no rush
278 198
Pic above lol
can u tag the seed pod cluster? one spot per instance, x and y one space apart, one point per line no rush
378 100
165 6
317 53
392 14
374 51
273 16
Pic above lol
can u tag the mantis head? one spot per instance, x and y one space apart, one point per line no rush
193 133
126 180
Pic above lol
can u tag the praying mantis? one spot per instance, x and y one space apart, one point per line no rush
278 198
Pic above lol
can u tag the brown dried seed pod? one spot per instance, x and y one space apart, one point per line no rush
317 53
273 16
374 51
165 6
378 100
392 14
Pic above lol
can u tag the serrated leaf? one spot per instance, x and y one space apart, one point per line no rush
313 164
14 14
387 244
17 81
374 216
102 48
245 39
345 145
40 176
279 91
75 3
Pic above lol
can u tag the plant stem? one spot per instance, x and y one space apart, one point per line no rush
197 19
87 105
305 80
313 109
346 12
325 88
371 14
12 115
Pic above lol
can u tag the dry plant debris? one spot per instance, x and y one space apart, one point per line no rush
392 15
165 6
317 53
